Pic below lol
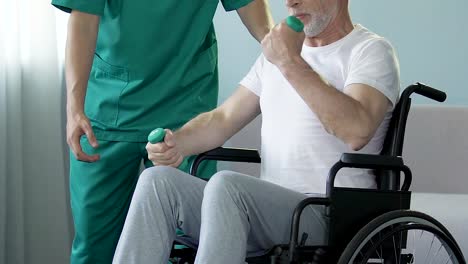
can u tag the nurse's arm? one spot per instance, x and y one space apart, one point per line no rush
212 129
257 18
79 52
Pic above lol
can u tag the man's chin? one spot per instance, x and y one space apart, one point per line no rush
311 33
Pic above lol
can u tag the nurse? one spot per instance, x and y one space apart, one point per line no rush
132 66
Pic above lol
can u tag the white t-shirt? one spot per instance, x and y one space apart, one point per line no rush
296 151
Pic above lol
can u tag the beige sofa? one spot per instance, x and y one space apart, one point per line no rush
436 148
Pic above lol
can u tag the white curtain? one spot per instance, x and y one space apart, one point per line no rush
34 205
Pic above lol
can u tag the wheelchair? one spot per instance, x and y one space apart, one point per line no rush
365 226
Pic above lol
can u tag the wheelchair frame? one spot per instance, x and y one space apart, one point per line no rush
343 203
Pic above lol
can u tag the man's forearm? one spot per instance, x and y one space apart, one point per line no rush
212 129
81 44
257 18
340 114
205 132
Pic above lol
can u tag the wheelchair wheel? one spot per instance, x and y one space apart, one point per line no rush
402 236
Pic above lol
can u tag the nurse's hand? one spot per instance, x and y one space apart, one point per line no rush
165 153
78 125
282 46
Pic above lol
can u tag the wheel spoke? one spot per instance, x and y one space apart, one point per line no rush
376 249
394 246
381 251
438 251
400 249
414 247
448 258
432 243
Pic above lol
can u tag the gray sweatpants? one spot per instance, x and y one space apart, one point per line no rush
230 217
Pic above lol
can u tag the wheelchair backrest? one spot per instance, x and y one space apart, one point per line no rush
353 208
393 143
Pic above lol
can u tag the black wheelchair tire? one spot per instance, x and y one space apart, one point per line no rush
397 217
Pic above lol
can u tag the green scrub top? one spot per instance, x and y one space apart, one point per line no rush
155 64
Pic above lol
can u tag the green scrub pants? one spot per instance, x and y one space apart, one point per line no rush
100 195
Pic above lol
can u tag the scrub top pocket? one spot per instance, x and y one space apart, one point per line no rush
105 86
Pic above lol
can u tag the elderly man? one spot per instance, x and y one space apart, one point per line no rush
323 92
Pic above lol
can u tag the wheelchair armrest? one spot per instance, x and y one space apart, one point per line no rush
347 160
226 154
369 161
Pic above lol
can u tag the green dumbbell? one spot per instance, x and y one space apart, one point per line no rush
294 23
157 136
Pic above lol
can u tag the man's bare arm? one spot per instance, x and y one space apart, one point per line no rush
353 116
81 44
80 47
257 18
212 129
